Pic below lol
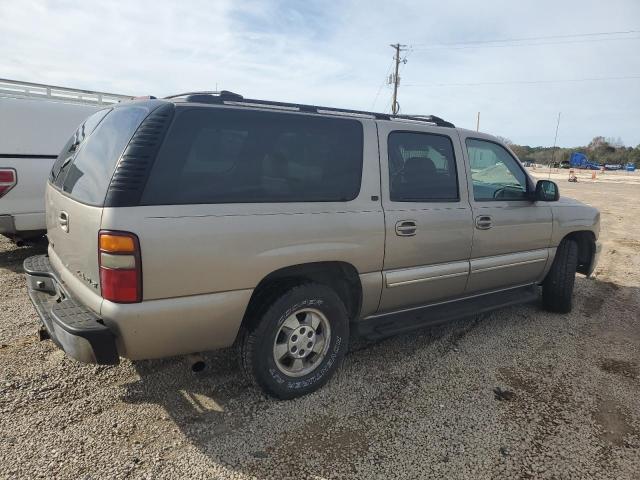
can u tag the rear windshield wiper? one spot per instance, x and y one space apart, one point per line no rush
62 167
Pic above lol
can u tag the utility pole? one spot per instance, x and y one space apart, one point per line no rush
555 141
395 79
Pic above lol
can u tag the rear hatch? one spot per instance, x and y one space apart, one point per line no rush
76 193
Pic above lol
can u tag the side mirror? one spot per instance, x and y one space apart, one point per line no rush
547 191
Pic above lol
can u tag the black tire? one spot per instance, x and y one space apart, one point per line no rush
557 288
257 342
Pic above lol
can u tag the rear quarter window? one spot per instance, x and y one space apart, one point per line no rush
88 176
216 155
86 128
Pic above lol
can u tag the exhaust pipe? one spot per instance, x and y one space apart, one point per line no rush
196 362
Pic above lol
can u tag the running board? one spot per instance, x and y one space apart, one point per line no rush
393 323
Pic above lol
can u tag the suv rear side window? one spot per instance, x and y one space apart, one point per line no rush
87 178
86 128
214 155
422 168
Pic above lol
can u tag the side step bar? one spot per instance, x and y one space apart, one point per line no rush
393 323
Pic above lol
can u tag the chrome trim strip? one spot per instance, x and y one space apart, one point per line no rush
425 279
507 265
485 264
408 276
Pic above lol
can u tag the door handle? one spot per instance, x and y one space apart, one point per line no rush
406 228
483 222
63 221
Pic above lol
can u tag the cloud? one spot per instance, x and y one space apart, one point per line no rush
337 54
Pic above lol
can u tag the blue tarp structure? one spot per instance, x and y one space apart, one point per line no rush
580 160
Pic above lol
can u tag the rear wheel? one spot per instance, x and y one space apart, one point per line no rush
298 342
557 288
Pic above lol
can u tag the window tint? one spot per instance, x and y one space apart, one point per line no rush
214 155
495 173
60 166
422 168
90 172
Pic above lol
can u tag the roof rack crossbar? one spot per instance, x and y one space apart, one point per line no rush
230 98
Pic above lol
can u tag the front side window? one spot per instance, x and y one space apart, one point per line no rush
422 168
214 155
496 175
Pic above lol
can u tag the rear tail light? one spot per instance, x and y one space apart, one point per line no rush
120 266
8 180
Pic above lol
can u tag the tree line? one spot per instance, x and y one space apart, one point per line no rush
601 150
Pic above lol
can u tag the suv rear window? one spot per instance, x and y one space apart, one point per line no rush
86 176
215 155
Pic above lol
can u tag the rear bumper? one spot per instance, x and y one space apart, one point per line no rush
73 327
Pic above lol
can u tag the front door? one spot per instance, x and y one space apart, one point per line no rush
512 233
427 214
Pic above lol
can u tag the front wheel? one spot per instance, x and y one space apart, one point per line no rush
298 343
557 288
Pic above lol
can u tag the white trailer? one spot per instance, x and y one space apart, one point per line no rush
35 122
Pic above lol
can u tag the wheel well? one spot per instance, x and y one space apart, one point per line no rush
586 241
342 277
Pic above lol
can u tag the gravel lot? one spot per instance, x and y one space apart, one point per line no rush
420 405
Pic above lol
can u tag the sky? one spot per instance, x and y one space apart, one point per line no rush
337 53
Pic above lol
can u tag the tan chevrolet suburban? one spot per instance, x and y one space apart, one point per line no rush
205 220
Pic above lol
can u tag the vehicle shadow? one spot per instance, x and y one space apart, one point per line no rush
239 428
12 256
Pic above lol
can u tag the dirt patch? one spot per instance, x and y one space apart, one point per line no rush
629 243
620 367
322 446
614 423
21 342
543 403
517 381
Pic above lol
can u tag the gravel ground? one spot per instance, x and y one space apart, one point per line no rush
421 405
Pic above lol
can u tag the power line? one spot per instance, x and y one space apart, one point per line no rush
523 39
466 47
523 82
384 82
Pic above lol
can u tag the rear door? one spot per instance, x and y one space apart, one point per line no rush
427 215
511 233
77 187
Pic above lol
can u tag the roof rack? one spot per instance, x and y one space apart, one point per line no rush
18 89
230 98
